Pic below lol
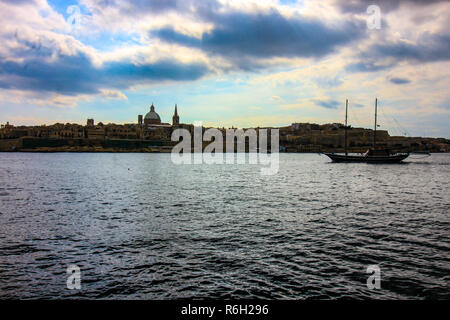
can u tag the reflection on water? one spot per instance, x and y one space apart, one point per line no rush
140 227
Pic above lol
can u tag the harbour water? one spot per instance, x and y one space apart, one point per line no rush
140 227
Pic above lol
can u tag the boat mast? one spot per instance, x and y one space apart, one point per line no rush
375 127
345 136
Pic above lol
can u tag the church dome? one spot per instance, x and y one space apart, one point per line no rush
152 116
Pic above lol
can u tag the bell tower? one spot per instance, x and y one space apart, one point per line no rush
175 118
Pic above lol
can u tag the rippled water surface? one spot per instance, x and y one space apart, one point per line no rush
141 227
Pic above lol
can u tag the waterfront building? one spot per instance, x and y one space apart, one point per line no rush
298 137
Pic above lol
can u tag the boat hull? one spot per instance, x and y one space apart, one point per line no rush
367 159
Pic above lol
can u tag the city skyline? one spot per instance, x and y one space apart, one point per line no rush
227 63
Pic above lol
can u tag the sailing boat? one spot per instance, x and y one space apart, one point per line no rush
372 155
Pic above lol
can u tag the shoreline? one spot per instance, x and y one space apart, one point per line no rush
162 146
56 150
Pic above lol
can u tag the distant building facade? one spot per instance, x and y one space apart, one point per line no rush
149 129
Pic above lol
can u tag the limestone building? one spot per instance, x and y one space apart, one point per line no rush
150 126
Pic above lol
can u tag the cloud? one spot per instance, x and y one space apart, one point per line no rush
445 104
143 7
329 82
39 56
77 73
266 34
115 14
428 48
399 80
329 104
359 6
113 94
277 98
367 66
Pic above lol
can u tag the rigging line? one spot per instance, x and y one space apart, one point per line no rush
402 130
406 133
399 128
353 114
389 123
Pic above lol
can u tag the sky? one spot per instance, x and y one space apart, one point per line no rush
226 63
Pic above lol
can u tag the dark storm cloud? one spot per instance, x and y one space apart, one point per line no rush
71 75
399 80
265 35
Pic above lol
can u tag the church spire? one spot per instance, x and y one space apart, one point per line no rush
175 118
